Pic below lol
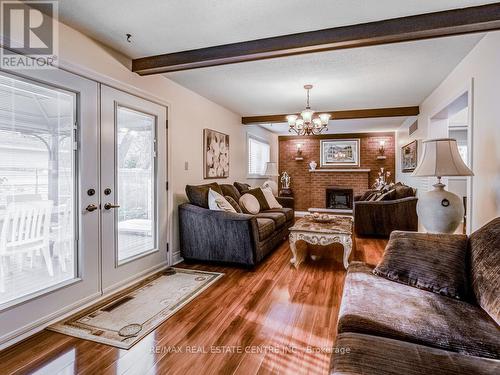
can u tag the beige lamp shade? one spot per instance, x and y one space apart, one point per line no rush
441 158
271 169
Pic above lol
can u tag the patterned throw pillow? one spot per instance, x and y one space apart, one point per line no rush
271 200
249 204
217 202
433 262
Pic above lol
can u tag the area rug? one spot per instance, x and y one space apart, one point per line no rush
125 319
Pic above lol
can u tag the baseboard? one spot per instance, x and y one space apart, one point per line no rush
176 258
29 330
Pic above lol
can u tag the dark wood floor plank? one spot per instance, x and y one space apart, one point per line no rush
273 306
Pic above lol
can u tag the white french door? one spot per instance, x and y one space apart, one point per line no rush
83 206
133 186
49 218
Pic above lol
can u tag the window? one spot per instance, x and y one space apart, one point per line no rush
259 153
37 188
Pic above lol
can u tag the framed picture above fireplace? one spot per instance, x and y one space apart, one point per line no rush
339 152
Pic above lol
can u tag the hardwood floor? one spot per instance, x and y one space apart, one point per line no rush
272 319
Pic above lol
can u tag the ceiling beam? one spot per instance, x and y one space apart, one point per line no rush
423 26
340 115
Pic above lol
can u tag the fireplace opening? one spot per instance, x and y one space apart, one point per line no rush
339 198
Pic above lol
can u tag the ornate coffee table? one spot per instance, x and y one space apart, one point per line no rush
306 229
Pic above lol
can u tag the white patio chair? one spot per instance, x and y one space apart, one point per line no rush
25 230
62 235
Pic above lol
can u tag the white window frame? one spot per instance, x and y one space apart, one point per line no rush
261 140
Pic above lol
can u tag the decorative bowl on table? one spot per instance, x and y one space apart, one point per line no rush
322 218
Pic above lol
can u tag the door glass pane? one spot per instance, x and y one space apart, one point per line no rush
136 183
37 188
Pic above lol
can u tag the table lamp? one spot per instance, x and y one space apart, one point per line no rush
441 211
271 172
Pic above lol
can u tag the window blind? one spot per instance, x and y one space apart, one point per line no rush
258 155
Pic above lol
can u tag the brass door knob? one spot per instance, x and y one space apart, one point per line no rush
108 206
91 207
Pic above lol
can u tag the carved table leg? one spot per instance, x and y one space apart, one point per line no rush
347 243
298 254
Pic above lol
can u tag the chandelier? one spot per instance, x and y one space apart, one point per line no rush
308 123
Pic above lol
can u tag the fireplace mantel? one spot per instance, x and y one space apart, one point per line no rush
353 170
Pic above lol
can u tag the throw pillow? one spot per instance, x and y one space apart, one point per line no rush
218 203
387 196
242 188
233 203
257 193
433 262
198 194
249 204
403 191
271 200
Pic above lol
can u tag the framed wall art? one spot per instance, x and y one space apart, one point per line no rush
409 158
215 154
339 152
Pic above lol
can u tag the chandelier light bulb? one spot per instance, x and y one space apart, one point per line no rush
291 120
299 123
324 117
307 115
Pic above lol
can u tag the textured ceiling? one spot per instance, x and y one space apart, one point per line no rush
163 26
389 75
370 77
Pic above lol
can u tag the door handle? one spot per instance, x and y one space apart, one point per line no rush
91 207
108 206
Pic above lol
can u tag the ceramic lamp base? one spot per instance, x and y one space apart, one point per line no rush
440 211
273 185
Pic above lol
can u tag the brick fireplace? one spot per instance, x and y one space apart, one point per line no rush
339 198
309 188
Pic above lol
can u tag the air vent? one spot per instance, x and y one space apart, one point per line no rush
413 128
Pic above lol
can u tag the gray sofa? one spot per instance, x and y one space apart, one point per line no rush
236 238
393 328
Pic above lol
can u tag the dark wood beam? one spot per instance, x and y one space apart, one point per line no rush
423 26
339 115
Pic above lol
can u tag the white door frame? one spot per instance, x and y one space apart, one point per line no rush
116 275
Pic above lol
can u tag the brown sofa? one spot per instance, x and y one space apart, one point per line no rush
393 328
237 238
396 210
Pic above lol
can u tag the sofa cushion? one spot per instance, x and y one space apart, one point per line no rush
266 228
484 253
377 306
434 262
198 194
259 194
403 191
289 214
230 190
233 203
382 356
242 187
278 216
249 204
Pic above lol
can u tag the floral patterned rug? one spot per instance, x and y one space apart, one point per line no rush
125 319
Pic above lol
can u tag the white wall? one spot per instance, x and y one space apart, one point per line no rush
482 66
189 114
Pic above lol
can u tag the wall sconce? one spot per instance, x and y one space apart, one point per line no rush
298 156
381 150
